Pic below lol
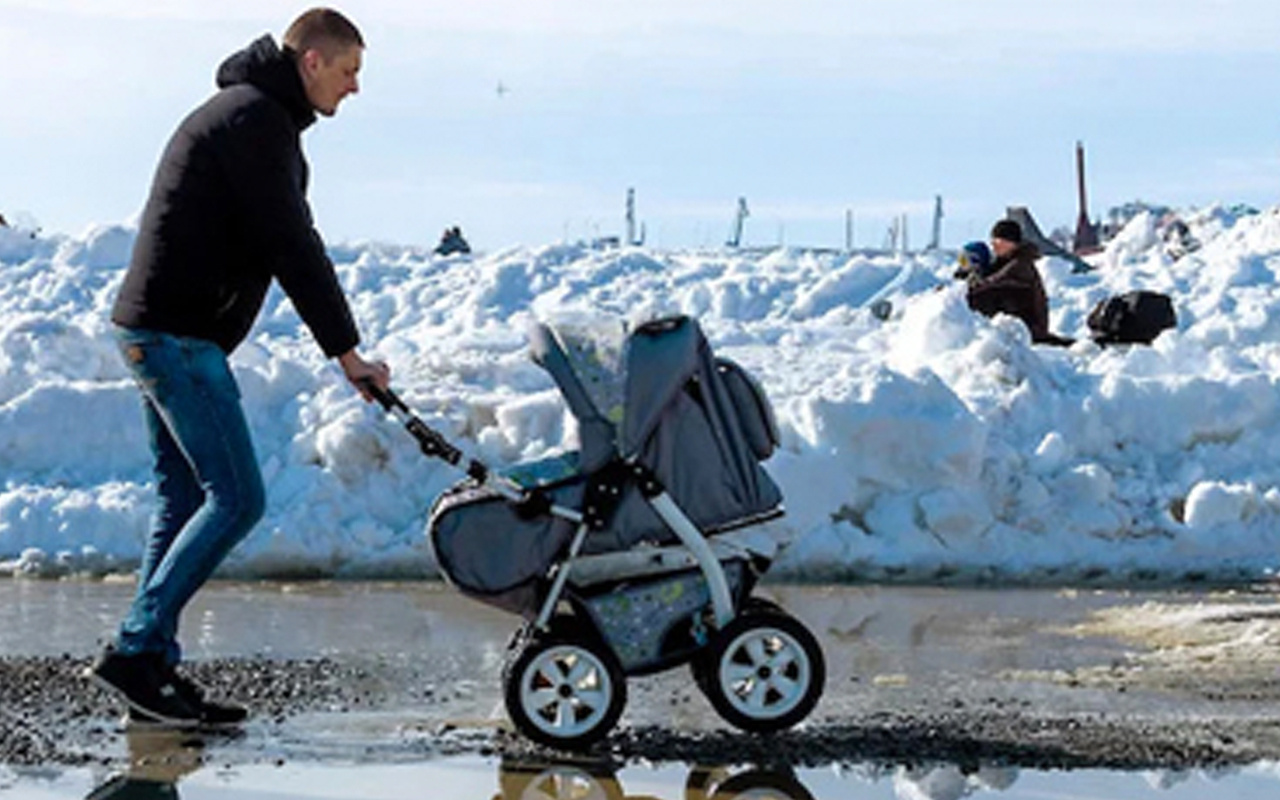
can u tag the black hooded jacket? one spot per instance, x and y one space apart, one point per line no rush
228 212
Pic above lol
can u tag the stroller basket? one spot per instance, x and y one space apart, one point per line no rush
649 621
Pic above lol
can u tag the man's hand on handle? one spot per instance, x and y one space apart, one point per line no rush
358 371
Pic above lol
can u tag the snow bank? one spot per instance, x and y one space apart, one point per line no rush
935 445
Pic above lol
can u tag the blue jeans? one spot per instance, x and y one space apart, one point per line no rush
210 492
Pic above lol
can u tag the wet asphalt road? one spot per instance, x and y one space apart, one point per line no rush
391 672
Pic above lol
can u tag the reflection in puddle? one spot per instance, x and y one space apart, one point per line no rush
158 760
565 781
167 765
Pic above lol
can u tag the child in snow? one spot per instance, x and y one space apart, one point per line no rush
974 261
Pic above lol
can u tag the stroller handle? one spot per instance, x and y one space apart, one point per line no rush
431 441
528 501
386 398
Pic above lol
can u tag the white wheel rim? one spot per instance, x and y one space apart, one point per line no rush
566 691
765 673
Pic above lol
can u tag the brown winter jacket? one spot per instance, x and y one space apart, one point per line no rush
1015 288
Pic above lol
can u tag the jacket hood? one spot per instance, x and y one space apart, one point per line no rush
271 69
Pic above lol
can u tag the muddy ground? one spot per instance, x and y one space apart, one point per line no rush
1040 680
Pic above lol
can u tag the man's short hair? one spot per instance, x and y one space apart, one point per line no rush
322 29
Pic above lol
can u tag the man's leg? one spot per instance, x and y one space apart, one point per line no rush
189 385
178 493
210 495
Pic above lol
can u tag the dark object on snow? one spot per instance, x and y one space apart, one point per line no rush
1178 239
452 242
1135 317
3 222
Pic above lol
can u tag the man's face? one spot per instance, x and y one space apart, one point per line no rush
328 82
1002 247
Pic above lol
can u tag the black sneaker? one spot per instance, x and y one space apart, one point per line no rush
144 683
212 714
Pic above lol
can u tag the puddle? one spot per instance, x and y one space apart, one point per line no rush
886 630
181 772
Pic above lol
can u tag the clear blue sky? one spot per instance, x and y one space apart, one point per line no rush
806 107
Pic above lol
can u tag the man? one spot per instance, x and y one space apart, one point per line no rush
227 214
1013 285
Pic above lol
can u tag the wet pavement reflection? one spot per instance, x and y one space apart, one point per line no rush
159 760
565 781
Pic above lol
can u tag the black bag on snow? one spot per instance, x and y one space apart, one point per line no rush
1135 317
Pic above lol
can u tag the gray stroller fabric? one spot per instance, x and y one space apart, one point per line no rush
489 551
698 423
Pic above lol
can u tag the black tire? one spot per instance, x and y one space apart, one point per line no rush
564 690
700 672
764 671
754 603
762 785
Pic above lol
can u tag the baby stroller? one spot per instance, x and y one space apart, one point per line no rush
638 552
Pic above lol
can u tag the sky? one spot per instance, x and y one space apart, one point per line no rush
809 109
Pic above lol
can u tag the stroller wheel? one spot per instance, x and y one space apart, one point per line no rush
764 671
701 666
564 691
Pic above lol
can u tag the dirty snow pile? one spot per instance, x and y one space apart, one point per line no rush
934 445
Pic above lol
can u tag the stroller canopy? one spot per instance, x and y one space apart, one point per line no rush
659 397
618 386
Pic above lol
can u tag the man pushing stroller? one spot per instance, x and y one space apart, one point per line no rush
227 215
